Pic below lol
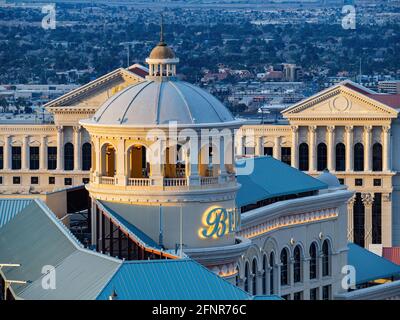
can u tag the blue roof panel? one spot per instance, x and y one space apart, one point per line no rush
370 266
9 208
169 280
272 178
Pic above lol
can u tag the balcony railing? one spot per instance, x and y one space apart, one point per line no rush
139 182
108 180
205 181
175 182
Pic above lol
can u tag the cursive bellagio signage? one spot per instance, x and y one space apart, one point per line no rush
218 222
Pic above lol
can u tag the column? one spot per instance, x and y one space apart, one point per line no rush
295 147
25 153
277 279
259 150
120 157
386 215
350 218
193 161
7 153
306 278
98 161
43 153
277 147
291 272
367 199
240 145
77 148
330 139
312 147
386 148
60 148
222 169
349 148
367 148
157 162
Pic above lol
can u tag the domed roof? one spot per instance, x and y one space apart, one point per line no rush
162 51
329 179
159 102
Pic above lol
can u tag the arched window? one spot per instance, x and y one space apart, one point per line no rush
264 276
358 157
138 166
108 163
297 264
15 158
246 277
34 158
284 267
377 157
86 156
303 157
1 158
271 272
313 261
68 156
325 259
322 157
358 220
254 278
340 157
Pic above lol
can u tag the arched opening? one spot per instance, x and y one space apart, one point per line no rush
340 157
254 278
303 157
322 158
264 275
138 166
68 156
175 162
208 165
313 261
297 264
108 160
271 273
377 157
246 277
358 157
326 268
284 267
86 156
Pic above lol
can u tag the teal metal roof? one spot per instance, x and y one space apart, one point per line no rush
272 178
9 208
370 266
35 238
136 232
169 280
271 297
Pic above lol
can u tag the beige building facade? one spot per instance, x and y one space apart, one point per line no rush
350 131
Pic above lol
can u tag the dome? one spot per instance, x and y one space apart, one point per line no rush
329 179
158 102
162 51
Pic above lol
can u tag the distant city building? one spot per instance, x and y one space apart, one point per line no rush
389 87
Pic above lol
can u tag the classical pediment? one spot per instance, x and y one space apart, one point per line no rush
340 101
93 94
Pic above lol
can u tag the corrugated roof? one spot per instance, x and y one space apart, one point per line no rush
169 280
370 266
35 238
9 208
272 178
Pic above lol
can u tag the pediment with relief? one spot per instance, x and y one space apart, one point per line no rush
342 102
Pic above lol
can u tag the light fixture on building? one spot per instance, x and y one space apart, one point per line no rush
292 242
320 235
